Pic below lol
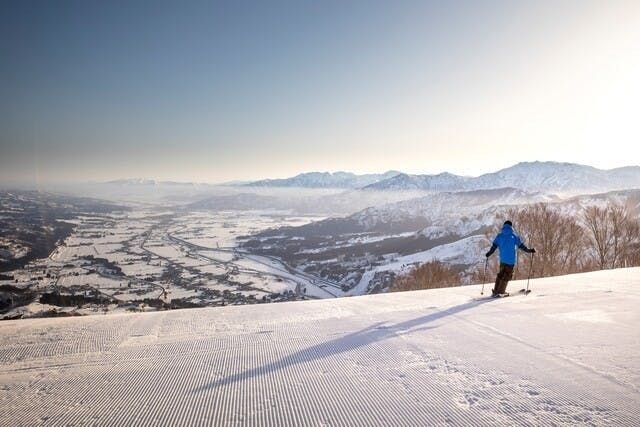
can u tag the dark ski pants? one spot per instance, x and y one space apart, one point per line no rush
502 279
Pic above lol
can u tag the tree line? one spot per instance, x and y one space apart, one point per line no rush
596 238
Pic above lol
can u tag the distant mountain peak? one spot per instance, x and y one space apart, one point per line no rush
133 181
339 179
545 176
444 181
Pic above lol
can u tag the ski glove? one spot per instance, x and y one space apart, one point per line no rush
491 251
532 251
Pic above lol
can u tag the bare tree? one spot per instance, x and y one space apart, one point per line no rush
618 220
613 235
599 233
630 244
430 275
558 239
604 237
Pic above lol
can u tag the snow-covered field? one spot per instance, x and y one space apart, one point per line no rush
138 255
564 355
221 229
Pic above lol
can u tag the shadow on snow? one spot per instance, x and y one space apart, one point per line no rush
369 335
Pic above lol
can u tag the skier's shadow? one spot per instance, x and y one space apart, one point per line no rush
369 335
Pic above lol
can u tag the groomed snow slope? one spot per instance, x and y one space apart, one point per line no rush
566 354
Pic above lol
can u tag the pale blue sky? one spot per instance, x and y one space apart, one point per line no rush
215 91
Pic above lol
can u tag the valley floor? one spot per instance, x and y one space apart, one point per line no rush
565 354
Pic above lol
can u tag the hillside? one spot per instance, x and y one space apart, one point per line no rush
564 355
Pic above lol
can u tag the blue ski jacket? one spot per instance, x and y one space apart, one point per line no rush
508 242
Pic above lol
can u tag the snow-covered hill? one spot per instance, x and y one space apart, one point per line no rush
418 213
442 206
628 198
458 213
564 355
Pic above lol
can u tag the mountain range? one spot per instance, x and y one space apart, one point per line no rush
529 176
326 180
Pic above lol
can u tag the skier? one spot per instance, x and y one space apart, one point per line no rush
508 242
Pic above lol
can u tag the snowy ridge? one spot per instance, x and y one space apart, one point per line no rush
132 181
529 176
445 205
325 180
441 182
564 355
561 177
464 212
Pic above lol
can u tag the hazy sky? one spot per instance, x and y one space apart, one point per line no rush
215 91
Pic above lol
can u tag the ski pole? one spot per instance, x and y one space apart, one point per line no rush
484 276
529 277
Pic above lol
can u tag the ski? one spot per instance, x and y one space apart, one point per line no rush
505 295
488 297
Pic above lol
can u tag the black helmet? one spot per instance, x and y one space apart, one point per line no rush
509 223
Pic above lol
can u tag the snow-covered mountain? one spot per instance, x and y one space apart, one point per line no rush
325 180
550 177
464 213
454 205
418 213
441 182
627 198
564 355
561 177
132 181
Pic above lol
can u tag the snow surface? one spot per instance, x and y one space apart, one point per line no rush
564 355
